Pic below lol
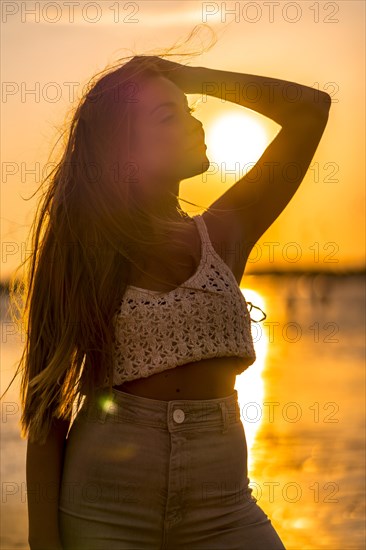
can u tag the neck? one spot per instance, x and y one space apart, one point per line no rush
164 206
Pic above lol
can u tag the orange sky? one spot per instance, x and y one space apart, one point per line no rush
325 218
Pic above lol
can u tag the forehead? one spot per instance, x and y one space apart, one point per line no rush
154 91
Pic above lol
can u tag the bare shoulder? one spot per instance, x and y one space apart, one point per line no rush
226 237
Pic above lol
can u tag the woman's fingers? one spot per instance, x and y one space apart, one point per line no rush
164 65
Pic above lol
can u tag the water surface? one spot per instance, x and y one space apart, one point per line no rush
302 406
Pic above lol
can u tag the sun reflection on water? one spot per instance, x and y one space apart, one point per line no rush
250 384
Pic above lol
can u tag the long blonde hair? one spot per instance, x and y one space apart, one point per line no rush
88 230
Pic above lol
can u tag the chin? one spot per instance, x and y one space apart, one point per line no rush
201 168
203 165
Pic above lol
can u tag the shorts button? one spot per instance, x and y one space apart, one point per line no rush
179 415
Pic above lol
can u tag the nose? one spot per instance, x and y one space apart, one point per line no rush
200 125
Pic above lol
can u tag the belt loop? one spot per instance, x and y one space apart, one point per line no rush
224 417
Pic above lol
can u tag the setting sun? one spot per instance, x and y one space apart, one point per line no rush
235 138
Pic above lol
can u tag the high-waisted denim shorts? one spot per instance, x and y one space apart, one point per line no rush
145 474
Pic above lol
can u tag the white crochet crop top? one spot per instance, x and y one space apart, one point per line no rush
157 330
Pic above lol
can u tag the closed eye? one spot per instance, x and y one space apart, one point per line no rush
189 110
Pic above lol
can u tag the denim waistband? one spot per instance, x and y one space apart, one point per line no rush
174 415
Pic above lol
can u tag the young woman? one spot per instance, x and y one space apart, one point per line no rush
136 306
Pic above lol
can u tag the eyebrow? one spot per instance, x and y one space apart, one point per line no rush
168 104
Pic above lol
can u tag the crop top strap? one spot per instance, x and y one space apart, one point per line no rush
202 228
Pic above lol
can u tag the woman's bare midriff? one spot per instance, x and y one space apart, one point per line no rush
205 379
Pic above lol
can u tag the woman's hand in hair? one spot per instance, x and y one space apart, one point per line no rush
176 72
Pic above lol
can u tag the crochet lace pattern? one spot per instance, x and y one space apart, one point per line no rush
157 330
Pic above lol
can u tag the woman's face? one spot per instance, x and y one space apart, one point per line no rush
168 142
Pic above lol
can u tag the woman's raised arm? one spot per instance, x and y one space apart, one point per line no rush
249 207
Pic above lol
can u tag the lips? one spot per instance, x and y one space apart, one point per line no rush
198 147
200 140
199 144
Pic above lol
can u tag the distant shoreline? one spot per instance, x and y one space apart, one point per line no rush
355 272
